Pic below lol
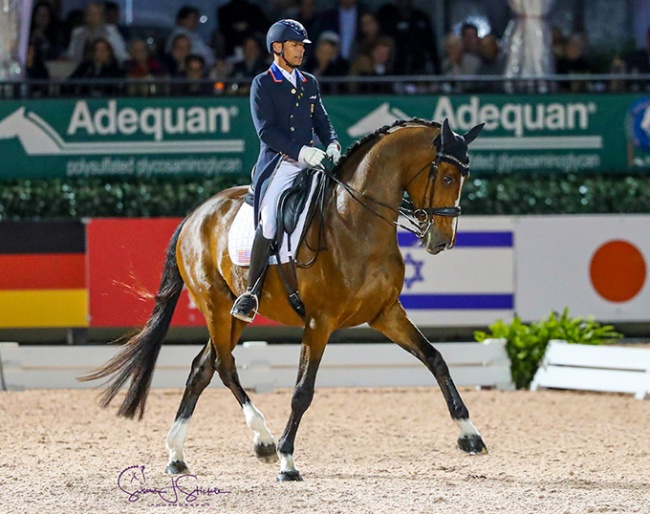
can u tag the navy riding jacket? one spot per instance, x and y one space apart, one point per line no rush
285 118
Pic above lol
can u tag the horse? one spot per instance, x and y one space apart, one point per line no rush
356 278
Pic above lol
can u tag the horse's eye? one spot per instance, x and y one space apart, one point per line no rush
447 180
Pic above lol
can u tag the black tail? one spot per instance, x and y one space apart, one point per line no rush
138 356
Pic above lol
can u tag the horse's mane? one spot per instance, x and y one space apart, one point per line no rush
374 136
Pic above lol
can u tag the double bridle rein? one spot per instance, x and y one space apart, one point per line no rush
419 219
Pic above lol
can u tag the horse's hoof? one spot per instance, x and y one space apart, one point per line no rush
266 453
472 444
176 467
289 476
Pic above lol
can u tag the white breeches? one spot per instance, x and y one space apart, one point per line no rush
279 182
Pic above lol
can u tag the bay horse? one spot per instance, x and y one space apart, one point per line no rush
357 278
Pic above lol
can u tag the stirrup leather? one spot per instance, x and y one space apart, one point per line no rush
242 308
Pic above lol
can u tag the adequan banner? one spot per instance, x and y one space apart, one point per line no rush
133 137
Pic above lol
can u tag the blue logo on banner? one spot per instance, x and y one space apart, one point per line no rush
639 115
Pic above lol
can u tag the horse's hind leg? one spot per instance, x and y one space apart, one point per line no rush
200 376
263 442
395 324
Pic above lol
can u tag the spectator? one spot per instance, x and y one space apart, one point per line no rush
326 61
174 61
557 42
617 67
345 21
491 62
471 41
457 63
574 62
73 20
238 19
196 83
369 32
45 32
253 62
95 27
112 17
414 37
102 65
377 63
142 66
187 20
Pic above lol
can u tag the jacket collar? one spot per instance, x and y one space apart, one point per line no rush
277 75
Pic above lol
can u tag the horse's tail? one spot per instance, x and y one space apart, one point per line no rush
138 356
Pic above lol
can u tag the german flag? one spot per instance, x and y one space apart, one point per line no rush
43 274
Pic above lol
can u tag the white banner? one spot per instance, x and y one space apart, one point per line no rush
595 265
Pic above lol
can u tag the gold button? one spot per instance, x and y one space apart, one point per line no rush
292 129
291 116
293 91
297 104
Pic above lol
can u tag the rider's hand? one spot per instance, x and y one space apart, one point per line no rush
334 152
311 156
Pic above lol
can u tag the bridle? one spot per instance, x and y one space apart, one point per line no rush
419 219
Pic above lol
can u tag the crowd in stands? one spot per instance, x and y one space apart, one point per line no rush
348 41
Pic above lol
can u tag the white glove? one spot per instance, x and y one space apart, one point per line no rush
334 152
311 156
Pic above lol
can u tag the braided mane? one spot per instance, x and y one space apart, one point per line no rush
397 124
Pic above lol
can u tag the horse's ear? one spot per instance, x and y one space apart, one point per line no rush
471 135
447 133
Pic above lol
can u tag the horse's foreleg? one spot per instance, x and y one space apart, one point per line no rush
311 352
200 376
395 324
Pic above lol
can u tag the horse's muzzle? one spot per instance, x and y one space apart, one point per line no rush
435 241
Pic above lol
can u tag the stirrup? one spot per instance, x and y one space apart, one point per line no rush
245 312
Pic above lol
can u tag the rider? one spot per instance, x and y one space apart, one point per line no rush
287 110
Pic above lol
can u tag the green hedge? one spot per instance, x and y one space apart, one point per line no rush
490 195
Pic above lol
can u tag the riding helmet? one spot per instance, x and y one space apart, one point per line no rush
285 30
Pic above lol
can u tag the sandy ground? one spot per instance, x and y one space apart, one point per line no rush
359 450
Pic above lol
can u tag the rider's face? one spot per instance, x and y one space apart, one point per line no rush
293 52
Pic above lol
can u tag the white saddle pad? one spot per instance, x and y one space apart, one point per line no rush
242 233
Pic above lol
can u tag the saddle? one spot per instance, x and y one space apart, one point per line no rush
291 204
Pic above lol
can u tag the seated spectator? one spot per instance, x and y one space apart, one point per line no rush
238 19
174 61
95 27
102 66
368 33
254 61
471 41
45 32
574 62
491 63
326 61
456 62
378 63
187 21
196 83
142 66
414 37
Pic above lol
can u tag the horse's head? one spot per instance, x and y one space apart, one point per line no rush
436 194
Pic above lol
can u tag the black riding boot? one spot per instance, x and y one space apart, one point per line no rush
245 307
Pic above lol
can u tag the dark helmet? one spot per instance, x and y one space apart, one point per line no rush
285 30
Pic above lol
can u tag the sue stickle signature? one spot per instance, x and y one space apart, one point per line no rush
133 482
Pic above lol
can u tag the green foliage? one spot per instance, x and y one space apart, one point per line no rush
526 344
513 194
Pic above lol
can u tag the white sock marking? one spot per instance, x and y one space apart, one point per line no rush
286 463
255 421
467 428
176 439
